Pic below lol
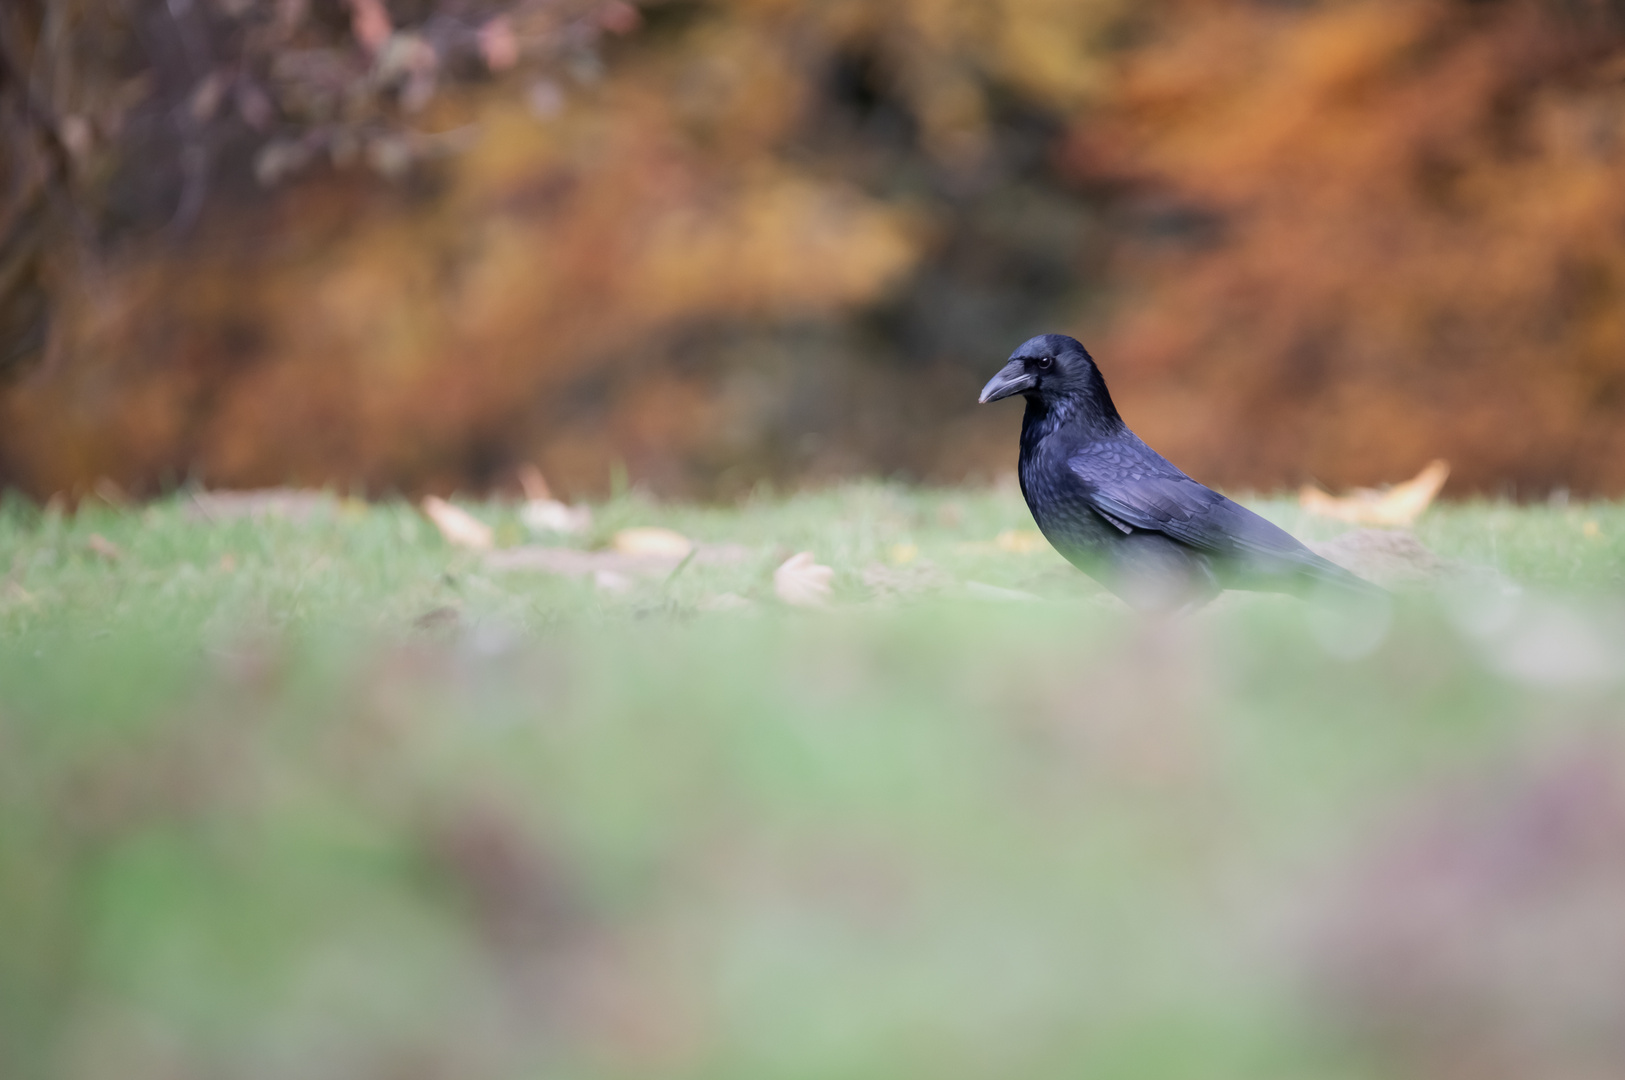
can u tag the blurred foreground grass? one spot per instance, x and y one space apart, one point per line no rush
328 798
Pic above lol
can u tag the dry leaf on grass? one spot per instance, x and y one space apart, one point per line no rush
459 527
542 513
801 582
552 516
102 546
1398 505
652 542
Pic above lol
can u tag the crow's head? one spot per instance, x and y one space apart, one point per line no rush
1049 367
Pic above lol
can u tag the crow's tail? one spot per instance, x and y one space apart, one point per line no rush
1322 571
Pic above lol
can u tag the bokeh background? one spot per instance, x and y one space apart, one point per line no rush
410 245
859 779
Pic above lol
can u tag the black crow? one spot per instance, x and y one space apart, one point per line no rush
1121 513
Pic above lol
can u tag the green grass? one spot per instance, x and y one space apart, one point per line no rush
332 799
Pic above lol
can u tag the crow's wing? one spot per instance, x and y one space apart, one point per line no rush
1134 487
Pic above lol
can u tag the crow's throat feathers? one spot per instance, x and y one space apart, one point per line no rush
1080 416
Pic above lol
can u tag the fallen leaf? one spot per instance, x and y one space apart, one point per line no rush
101 545
652 541
903 554
1398 505
1019 541
552 516
1591 530
801 582
459 527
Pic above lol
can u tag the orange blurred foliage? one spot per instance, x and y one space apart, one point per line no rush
1409 241
782 240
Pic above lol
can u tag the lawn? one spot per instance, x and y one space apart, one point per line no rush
322 796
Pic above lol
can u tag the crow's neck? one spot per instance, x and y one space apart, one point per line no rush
1080 419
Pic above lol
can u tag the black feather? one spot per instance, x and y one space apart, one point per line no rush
1122 512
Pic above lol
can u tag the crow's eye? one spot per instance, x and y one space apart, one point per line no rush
1045 363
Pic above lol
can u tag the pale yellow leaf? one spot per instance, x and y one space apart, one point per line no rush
459 527
652 541
1398 505
801 582
552 516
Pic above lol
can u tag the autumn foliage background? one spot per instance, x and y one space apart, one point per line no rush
409 246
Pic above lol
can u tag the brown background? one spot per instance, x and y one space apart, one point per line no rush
717 243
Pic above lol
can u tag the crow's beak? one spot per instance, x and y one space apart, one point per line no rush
1013 378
